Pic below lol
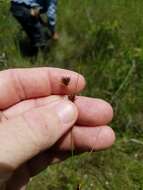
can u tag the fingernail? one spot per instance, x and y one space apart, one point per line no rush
67 112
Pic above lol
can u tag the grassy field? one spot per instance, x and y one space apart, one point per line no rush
103 40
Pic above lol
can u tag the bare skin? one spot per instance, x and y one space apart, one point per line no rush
37 122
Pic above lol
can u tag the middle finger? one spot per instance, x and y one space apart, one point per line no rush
91 111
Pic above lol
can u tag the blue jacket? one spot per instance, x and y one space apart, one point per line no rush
48 6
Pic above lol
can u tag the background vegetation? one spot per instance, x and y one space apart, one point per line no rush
104 41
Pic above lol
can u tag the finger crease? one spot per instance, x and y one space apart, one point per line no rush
49 82
2 116
18 86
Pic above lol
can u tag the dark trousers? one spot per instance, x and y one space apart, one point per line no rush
31 25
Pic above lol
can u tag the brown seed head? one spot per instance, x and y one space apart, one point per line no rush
66 81
71 97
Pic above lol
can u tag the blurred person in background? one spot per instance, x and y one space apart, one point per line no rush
28 14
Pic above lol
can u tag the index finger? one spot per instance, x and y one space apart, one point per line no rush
21 84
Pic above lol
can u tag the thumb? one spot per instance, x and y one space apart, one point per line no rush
27 135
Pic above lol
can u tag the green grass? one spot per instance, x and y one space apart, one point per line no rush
104 41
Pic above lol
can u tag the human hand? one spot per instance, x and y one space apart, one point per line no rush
36 123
